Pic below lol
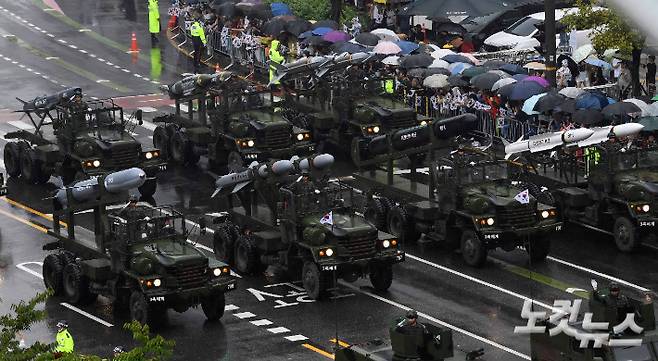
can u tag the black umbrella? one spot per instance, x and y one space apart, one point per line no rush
506 90
423 49
315 41
620 109
432 71
297 26
485 81
588 116
257 11
416 61
472 8
326 24
525 89
456 80
493 64
227 9
456 58
568 106
347 47
548 102
367 39
513 69
443 24
273 27
417 73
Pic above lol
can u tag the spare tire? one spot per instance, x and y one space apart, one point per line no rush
12 157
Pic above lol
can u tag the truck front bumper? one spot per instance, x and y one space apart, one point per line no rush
191 296
261 155
342 264
518 235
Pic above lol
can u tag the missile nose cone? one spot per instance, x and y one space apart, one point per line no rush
323 161
627 129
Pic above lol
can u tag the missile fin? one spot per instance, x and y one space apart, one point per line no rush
239 186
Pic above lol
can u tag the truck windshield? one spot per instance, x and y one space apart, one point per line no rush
636 353
637 160
523 27
484 172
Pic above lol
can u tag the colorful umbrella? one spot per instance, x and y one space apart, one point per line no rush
537 79
525 89
321 31
530 103
457 68
407 46
387 48
592 60
336 36
592 100
471 57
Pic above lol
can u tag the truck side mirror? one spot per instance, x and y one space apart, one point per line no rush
202 226
138 116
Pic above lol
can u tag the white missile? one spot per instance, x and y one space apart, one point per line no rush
603 134
114 183
547 141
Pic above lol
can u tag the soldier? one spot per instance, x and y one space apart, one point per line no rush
64 339
410 326
615 300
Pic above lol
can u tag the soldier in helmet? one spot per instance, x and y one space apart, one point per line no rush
615 299
410 325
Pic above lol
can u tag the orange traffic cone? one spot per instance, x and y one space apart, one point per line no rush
133 44
217 68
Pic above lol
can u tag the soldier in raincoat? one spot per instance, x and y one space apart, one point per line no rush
154 20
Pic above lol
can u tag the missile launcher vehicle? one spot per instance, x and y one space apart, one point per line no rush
137 255
291 220
234 124
76 139
563 346
607 188
466 199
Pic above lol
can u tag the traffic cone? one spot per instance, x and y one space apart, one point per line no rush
133 44
217 68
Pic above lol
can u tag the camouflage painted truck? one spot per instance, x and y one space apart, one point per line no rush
610 190
76 139
466 200
544 347
137 255
233 124
291 220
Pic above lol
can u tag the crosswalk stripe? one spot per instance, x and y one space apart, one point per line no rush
20 125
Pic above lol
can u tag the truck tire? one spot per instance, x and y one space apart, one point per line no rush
401 226
625 234
473 250
148 188
76 285
246 257
538 248
381 277
31 170
234 161
314 282
12 157
376 213
52 274
213 306
181 149
161 140
223 242
141 311
66 257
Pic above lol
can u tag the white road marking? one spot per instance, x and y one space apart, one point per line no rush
62 41
82 51
137 75
52 58
101 60
277 330
574 289
148 125
295 338
23 267
442 323
125 70
84 30
102 81
148 110
92 55
481 282
86 314
20 125
72 46
243 315
51 35
596 273
231 308
263 322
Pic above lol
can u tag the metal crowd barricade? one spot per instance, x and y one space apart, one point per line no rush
610 90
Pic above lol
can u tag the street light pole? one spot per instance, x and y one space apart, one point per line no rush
549 23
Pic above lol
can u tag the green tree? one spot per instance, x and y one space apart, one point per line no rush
24 314
610 31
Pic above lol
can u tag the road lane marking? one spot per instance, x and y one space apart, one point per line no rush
263 322
277 330
600 274
296 338
340 342
86 314
318 350
30 210
24 221
437 321
231 307
243 315
23 267
541 278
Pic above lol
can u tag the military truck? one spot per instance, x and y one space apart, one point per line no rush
349 113
137 255
85 139
611 190
466 199
292 220
433 343
234 124
544 347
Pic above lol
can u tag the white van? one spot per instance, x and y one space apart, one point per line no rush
520 34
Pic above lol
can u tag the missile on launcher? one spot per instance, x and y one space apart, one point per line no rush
116 182
603 134
193 84
547 141
48 102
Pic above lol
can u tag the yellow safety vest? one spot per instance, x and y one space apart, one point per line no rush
275 57
389 86
64 342
196 30
592 158
154 17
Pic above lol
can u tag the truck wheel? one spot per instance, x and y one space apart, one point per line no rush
148 188
539 248
213 306
76 285
625 234
473 251
400 225
381 277
66 257
161 141
246 258
223 244
313 281
376 212
140 310
52 274
180 149
31 168
357 151
12 157
234 161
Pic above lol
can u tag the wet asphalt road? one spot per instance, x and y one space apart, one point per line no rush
45 51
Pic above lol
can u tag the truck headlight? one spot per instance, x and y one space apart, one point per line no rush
372 130
386 243
423 122
246 143
326 252
545 214
251 143
300 137
490 221
92 163
217 272
642 208
157 282
151 155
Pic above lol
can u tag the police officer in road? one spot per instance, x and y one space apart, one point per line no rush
198 40
64 339
154 20
275 58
